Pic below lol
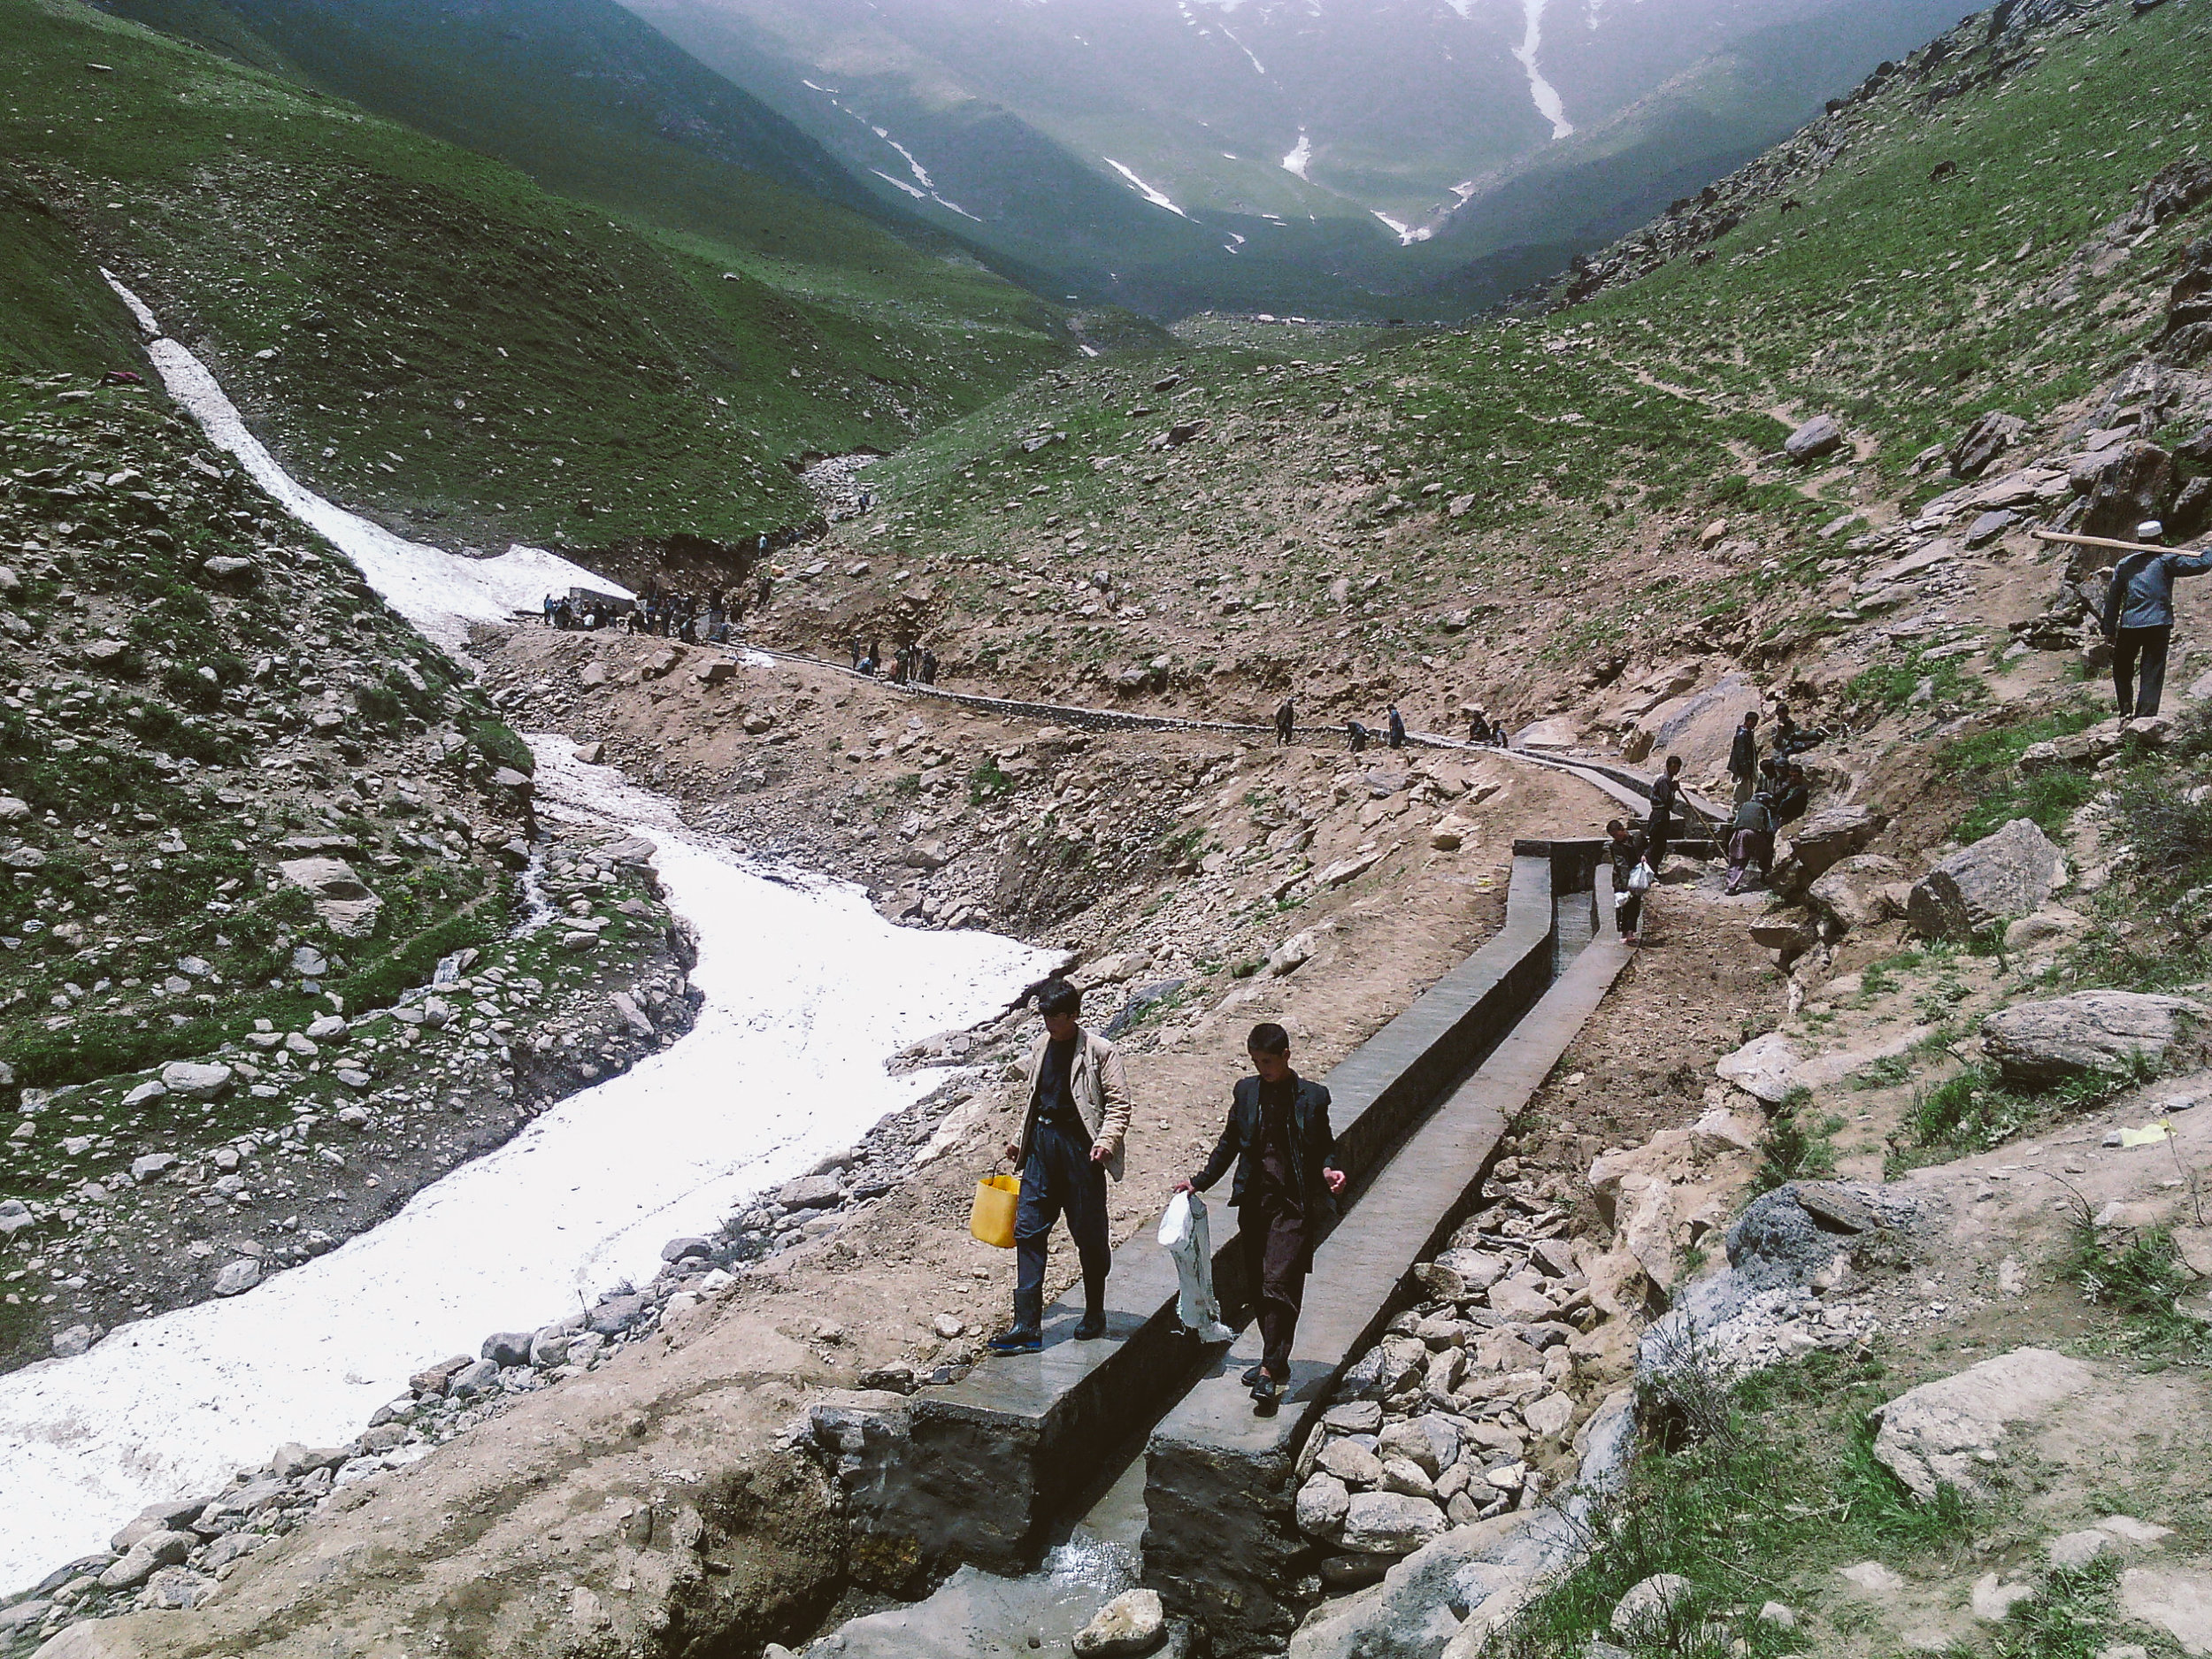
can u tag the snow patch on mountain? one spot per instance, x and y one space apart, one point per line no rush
1407 234
1546 96
1299 159
1158 198
921 174
1247 51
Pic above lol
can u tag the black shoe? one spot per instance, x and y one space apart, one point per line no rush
1092 1327
1266 1395
1252 1378
1017 1342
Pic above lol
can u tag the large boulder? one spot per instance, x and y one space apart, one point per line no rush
1985 438
1999 877
1823 842
1390 1523
1854 893
342 900
2037 1044
2137 482
1766 1067
1943 1434
1698 727
1821 435
1481 1572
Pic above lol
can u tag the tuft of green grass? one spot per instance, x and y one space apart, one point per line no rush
1796 1146
2138 1275
1756 1496
1975 1111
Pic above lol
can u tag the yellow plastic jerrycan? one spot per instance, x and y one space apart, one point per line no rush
992 1220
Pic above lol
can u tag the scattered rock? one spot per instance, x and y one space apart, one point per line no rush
238 1277
2038 1044
195 1081
1821 435
1764 1067
1132 1622
1390 1523
2008 874
1647 1612
1941 1433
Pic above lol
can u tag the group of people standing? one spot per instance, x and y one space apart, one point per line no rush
911 664
1074 1138
694 619
1772 789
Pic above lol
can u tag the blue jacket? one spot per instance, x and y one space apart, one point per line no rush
2142 591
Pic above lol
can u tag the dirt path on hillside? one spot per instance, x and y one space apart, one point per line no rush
655 1489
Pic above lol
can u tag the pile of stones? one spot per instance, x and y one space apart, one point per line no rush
1441 1423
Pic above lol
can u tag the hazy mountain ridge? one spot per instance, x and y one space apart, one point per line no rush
1359 155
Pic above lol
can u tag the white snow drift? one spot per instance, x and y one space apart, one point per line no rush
807 991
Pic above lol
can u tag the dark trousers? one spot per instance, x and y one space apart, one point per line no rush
1276 1256
1659 834
1059 1178
2143 649
1628 912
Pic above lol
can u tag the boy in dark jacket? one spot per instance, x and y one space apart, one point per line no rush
1287 1180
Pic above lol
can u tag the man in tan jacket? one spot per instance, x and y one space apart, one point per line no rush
1073 1136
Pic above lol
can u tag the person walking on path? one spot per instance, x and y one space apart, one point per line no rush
2138 618
1397 728
1286 719
1072 1137
1285 1195
1666 795
1743 757
1627 849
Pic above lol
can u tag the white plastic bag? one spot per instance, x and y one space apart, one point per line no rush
1185 1236
1640 878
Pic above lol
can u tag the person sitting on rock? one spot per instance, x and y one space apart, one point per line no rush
1285 1195
1355 736
1072 1139
1794 795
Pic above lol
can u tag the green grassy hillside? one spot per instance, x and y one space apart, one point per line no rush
429 337
1472 513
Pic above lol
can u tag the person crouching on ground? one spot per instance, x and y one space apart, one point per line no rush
1073 1136
1284 1195
1750 841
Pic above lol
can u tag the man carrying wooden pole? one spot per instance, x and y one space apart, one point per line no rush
2137 612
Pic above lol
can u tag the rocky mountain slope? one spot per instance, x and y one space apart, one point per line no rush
1174 158
1922 1108
426 336
248 817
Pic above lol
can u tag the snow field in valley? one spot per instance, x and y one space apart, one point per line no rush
807 991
